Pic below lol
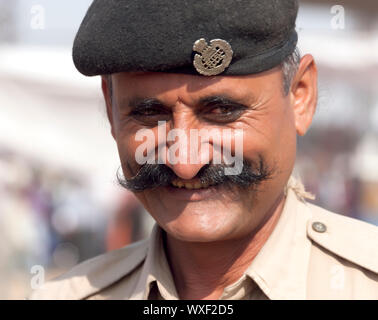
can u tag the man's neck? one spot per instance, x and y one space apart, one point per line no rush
203 270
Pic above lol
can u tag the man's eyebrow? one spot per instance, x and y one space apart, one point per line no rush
220 99
137 102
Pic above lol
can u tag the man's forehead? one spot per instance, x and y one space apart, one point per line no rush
190 88
172 80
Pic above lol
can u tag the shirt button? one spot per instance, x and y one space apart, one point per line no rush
319 227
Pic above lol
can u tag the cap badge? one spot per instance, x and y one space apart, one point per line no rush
212 59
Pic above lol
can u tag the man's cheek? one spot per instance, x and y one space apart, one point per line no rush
126 151
252 148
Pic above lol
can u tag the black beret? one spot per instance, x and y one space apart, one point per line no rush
159 35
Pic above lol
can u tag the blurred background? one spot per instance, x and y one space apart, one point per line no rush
59 200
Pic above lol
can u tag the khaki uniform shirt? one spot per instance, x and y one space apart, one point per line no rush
311 254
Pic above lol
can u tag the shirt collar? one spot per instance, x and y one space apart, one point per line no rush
279 269
156 270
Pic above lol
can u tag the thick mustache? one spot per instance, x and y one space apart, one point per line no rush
152 176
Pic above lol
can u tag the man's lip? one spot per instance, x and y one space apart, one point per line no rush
184 194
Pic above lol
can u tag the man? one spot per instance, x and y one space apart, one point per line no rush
231 223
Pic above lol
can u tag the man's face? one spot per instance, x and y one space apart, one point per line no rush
254 104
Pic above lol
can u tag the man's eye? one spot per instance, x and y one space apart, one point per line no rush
223 113
222 110
147 112
150 116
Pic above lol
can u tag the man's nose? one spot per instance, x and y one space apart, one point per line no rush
185 155
185 171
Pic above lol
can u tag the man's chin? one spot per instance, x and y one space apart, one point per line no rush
207 225
201 215
196 236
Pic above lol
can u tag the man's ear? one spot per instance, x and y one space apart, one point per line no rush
304 94
107 92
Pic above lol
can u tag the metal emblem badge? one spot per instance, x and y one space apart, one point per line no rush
212 59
